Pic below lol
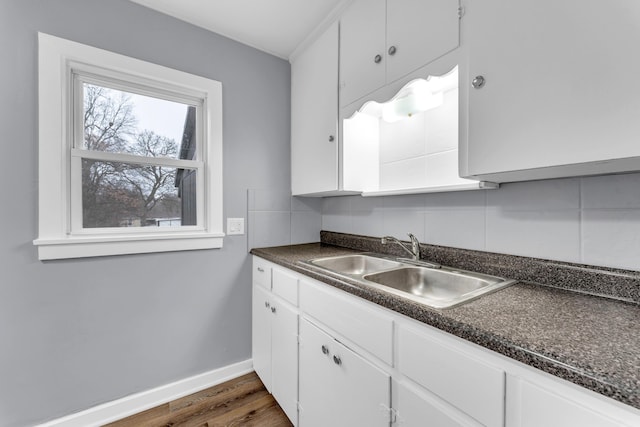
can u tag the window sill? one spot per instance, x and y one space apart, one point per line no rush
82 247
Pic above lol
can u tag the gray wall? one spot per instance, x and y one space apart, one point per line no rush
77 333
594 220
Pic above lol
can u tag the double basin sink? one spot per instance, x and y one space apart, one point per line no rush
430 284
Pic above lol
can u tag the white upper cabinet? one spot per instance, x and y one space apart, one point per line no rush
314 116
419 31
384 40
362 49
560 96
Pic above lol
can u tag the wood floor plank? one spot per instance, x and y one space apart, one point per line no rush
243 401
203 412
235 387
256 413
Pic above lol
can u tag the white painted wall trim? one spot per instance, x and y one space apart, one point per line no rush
129 405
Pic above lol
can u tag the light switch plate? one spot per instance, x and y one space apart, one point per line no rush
235 226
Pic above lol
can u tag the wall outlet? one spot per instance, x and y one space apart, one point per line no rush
235 226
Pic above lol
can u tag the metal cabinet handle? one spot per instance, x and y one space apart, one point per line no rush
273 309
261 270
377 59
337 360
392 50
325 350
478 82
266 304
331 138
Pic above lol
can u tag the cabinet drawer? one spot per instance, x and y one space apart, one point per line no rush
465 382
261 272
351 317
285 285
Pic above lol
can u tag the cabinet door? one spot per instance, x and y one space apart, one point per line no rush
284 356
413 410
529 405
337 386
463 381
362 38
560 86
314 116
261 334
419 31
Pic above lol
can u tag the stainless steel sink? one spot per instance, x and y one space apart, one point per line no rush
355 264
437 287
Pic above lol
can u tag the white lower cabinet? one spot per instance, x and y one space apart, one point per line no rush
261 334
353 363
413 408
284 358
275 336
471 385
337 386
532 404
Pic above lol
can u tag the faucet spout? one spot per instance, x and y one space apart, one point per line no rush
414 251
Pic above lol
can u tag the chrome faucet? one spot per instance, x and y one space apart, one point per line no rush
415 245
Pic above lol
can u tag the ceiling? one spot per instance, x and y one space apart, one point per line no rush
274 26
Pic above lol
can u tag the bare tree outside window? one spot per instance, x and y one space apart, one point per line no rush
123 194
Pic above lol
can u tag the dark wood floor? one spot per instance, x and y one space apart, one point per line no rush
240 402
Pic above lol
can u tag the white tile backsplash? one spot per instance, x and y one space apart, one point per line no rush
611 237
441 125
409 202
551 234
442 169
305 226
399 222
368 223
536 195
612 191
276 218
313 204
456 228
269 200
269 229
403 173
338 222
332 205
402 140
365 204
456 200
592 220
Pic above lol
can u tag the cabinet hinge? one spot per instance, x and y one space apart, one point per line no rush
460 12
389 413
299 407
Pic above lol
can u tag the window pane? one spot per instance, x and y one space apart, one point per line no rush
124 122
117 194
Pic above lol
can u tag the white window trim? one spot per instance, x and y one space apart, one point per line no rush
55 241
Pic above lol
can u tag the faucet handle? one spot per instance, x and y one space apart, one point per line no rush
415 246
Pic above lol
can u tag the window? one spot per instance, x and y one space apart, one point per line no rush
130 155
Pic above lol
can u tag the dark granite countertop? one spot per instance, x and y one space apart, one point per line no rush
588 340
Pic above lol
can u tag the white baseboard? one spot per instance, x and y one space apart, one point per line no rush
129 405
